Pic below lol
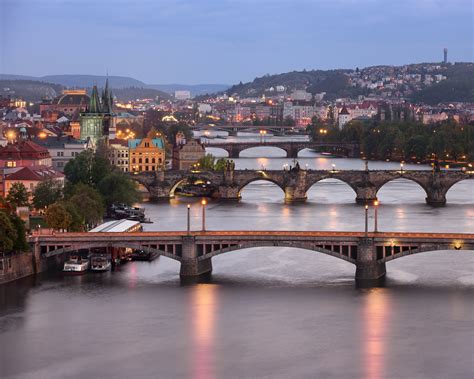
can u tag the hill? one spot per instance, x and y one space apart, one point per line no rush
458 87
195 89
30 90
334 82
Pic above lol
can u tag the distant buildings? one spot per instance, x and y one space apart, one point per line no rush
186 153
182 95
69 103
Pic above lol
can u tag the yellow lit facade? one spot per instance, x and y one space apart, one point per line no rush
147 154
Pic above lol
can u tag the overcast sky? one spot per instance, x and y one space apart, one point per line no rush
225 41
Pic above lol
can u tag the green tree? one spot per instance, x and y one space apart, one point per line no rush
87 168
20 243
118 188
18 195
207 162
76 218
57 217
47 193
89 204
8 233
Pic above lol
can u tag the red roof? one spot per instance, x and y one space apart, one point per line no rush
24 150
38 173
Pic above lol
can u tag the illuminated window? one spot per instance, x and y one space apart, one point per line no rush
11 164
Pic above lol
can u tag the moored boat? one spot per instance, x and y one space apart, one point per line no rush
76 265
100 263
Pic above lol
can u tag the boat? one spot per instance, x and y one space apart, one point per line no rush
76 265
100 263
141 255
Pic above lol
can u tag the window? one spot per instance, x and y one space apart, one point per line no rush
153 160
1 264
11 164
146 160
139 160
60 153
133 160
147 144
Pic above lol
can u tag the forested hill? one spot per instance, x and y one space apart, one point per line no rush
458 85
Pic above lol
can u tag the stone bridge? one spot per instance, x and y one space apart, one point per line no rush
296 183
292 149
194 250
234 129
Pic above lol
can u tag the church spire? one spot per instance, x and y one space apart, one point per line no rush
94 103
106 97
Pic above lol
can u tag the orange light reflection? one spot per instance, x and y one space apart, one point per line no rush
203 304
375 320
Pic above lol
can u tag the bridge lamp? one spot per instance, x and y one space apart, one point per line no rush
333 167
203 203
457 245
401 167
376 205
189 219
366 220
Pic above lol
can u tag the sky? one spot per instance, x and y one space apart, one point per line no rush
227 41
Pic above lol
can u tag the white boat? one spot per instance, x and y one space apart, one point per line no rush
100 263
76 265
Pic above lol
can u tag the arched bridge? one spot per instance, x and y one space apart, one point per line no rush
296 183
368 252
292 149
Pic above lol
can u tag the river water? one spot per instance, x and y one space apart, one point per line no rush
266 312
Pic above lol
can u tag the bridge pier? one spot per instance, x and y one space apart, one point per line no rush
190 265
229 193
294 194
159 192
369 271
366 195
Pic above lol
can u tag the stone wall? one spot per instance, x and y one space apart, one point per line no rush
16 266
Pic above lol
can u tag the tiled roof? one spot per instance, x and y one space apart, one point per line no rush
38 173
23 150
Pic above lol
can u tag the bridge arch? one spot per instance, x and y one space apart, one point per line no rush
350 257
461 182
223 153
99 245
260 179
401 179
266 147
328 179
430 249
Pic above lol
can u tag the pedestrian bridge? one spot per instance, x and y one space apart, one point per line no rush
367 251
295 183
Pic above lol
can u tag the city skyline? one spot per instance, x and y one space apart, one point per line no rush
182 42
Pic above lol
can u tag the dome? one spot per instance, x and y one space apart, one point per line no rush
72 99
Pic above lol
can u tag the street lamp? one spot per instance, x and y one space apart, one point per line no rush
189 219
401 167
203 202
333 167
366 220
376 205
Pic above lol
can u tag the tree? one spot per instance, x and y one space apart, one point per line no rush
18 195
57 217
20 243
206 163
8 233
47 193
118 188
88 202
87 168
76 219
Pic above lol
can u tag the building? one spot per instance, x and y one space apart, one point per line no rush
119 154
147 154
182 95
185 154
344 117
97 120
62 149
445 51
24 154
70 102
30 177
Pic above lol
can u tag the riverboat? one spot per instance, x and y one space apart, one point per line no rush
100 263
76 265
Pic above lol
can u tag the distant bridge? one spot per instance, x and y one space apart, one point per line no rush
296 183
368 252
351 150
234 129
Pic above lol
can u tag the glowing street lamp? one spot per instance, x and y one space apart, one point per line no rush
203 203
401 167
376 205
333 167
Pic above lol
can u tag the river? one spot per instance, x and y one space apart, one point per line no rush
267 312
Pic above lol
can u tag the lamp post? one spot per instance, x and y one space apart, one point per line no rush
401 167
333 167
366 220
203 202
189 219
376 205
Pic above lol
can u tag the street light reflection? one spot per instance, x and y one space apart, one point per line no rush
203 322
375 327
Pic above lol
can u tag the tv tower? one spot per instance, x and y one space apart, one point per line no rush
445 55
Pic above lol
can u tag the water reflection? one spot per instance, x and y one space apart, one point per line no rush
376 310
203 325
